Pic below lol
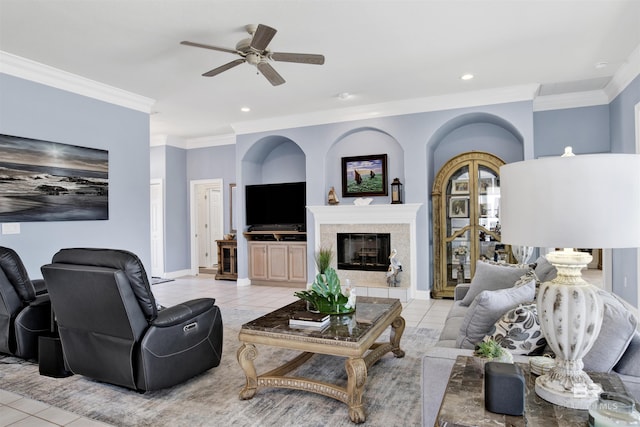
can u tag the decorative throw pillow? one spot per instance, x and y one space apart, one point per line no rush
486 309
618 328
629 363
518 330
545 270
491 277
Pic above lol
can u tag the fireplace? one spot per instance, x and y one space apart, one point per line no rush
398 220
363 251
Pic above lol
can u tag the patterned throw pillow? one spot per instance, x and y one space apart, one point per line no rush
518 330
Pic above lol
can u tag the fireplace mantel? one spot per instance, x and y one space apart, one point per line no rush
366 214
373 214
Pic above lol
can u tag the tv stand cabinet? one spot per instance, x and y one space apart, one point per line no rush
277 258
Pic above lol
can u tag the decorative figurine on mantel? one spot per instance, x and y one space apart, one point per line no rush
333 197
394 269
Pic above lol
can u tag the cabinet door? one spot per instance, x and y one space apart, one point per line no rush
466 199
277 262
258 263
298 263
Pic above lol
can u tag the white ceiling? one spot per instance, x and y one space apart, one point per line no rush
380 51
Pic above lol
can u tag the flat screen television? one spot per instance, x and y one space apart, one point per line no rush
276 206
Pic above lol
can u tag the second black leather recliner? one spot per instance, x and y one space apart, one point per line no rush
25 312
110 327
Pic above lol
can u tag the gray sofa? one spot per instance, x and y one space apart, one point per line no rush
617 348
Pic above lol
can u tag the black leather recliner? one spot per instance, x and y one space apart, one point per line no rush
25 312
110 327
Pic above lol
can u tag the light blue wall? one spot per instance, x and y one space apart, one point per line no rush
213 163
623 140
37 111
585 129
176 188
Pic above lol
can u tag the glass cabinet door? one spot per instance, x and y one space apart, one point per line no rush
489 216
466 218
458 227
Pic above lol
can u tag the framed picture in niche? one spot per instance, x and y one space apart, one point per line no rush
364 176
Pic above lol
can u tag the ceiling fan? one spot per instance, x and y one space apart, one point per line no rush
254 51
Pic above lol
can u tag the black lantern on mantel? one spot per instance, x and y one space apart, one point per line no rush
396 191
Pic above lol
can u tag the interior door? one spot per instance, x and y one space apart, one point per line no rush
209 222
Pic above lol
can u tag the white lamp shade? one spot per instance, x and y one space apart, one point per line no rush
584 201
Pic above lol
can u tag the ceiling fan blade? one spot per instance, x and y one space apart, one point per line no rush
270 73
301 58
262 37
222 68
208 46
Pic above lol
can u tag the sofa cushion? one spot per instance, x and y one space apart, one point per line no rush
487 308
519 331
618 328
491 277
545 270
629 363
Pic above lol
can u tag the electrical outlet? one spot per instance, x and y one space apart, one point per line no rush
11 228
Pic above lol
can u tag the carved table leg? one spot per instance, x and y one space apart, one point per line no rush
246 355
397 329
357 377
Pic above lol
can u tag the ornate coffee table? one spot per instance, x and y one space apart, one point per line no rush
353 336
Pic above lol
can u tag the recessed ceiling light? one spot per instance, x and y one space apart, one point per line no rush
467 76
602 64
245 109
344 95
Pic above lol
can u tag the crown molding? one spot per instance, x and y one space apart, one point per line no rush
158 140
395 108
44 74
211 141
570 100
625 75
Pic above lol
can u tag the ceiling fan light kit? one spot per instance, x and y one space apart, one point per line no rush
254 51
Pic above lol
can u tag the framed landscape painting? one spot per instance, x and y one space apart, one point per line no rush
364 176
50 181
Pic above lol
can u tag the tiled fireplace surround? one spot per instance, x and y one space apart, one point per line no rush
398 220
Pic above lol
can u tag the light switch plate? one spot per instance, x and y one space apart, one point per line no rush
11 228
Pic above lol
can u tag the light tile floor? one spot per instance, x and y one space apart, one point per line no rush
18 411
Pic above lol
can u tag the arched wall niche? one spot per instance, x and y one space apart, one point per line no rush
474 132
274 159
361 142
470 132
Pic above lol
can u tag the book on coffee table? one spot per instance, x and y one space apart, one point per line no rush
307 318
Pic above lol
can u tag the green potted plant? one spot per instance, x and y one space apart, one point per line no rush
326 294
490 350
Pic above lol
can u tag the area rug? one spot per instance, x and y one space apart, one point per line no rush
392 393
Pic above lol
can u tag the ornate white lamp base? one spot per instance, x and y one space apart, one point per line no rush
578 397
570 316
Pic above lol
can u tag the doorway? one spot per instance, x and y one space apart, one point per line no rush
207 224
157 228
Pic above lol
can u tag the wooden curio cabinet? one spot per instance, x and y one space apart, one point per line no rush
466 219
